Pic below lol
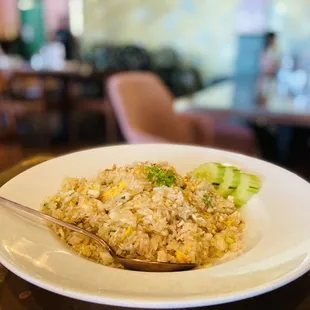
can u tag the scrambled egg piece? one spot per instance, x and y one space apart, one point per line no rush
115 190
181 257
128 231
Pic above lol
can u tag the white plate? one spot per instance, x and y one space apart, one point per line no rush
277 236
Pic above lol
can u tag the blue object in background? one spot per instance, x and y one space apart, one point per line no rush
188 6
247 69
249 51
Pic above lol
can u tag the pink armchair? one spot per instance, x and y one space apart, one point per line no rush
143 107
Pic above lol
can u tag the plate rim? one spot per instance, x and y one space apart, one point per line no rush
128 300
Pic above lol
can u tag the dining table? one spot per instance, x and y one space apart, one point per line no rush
68 76
260 99
76 83
278 115
18 294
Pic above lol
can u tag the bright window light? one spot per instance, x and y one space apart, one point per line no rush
76 17
25 5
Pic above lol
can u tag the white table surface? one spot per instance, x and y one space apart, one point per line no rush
230 99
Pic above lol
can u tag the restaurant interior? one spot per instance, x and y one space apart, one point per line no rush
79 74
230 74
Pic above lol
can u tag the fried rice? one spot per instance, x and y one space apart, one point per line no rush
148 211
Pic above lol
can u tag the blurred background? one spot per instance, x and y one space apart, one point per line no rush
231 74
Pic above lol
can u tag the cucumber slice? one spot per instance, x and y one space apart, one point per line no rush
230 182
249 185
212 172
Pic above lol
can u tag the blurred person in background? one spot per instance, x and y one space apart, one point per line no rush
269 66
270 58
64 36
279 138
